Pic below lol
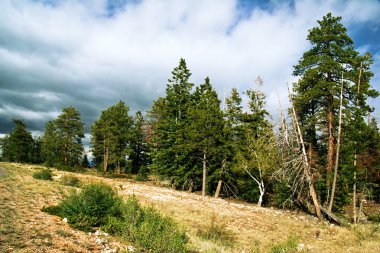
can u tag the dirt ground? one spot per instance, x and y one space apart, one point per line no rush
24 228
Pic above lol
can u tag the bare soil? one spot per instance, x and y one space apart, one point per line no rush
24 228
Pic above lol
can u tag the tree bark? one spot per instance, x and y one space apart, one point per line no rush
218 188
307 171
337 148
204 175
262 192
331 145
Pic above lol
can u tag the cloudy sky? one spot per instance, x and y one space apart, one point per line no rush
93 53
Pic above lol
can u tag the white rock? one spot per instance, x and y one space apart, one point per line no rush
301 247
130 248
97 233
99 241
64 220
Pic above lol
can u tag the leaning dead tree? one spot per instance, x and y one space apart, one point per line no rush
295 167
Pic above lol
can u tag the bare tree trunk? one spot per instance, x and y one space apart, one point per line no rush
337 148
307 171
356 156
262 192
218 188
331 146
204 175
354 193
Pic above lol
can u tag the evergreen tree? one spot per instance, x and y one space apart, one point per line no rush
70 132
85 163
111 136
61 143
18 145
50 145
205 128
331 61
168 117
139 150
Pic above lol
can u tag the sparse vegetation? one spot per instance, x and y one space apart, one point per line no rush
98 205
44 174
70 180
216 233
289 246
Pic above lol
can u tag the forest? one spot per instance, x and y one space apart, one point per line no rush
322 155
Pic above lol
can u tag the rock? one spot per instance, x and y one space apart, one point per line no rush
130 248
64 220
97 233
301 247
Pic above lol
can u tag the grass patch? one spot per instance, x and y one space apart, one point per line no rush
289 246
44 174
216 233
98 205
70 180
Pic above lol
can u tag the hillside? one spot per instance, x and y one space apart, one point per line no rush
24 228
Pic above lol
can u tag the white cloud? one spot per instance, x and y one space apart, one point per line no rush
72 54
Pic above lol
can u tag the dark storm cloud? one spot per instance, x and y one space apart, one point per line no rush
91 54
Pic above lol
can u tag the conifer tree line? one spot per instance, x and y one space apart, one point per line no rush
322 154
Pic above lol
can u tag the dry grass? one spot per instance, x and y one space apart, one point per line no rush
254 229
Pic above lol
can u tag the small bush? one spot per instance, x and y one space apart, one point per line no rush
147 228
216 233
141 178
97 205
69 180
90 207
44 174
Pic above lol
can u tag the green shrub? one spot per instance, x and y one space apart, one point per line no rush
90 207
141 178
44 174
97 205
70 181
147 228
160 234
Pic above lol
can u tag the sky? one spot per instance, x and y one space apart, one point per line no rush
91 54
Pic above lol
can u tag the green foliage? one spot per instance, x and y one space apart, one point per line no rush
282 195
110 136
70 180
139 149
98 205
44 174
331 61
289 246
90 207
61 143
18 146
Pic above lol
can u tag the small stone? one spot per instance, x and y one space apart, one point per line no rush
97 233
130 248
64 220
301 247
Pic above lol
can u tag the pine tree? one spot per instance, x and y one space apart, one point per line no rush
50 145
111 136
18 145
317 93
205 128
139 150
168 117
61 143
70 132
